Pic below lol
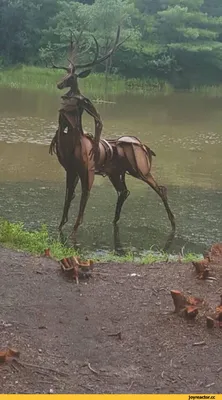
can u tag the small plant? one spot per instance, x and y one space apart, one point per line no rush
14 235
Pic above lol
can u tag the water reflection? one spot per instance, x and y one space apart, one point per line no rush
120 251
143 224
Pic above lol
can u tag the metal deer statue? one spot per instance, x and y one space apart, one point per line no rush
83 156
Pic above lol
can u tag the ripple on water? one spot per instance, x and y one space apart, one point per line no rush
30 129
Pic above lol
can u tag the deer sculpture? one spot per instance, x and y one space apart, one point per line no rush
83 156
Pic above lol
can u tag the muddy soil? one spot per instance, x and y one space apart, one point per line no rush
66 332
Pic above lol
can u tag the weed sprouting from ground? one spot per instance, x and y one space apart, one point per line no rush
14 235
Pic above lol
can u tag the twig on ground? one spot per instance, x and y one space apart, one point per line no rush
210 322
25 365
131 385
163 289
210 384
14 367
91 369
199 343
118 334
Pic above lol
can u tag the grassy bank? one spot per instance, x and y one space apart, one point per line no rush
15 236
35 78
210 91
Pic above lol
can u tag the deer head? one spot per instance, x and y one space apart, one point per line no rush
70 80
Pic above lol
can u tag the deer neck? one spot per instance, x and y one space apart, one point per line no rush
74 90
71 93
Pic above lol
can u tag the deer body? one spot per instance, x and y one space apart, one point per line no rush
83 156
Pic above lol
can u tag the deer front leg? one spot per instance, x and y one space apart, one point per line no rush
90 109
52 147
72 179
87 178
83 201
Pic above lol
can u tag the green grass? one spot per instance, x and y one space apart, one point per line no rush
210 91
15 236
36 78
44 79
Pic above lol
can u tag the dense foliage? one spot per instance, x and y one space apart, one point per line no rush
179 41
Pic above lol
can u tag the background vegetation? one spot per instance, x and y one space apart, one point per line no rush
176 41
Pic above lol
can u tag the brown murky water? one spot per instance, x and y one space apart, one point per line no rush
185 131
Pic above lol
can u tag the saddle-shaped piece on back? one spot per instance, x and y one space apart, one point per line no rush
131 140
128 139
108 149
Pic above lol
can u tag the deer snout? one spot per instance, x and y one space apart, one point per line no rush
61 85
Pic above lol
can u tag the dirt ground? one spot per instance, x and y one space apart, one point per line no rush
64 331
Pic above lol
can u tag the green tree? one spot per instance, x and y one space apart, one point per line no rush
150 7
175 40
84 20
21 24
212 7
104 22
192 37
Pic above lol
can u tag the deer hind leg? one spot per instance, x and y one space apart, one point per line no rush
119 184
162 192
72 179
137 161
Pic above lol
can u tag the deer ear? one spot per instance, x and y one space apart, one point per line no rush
84 74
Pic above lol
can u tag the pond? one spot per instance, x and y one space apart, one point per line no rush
183 129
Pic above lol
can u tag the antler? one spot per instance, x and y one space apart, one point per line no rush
73 48
58 67
96 60
103 58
